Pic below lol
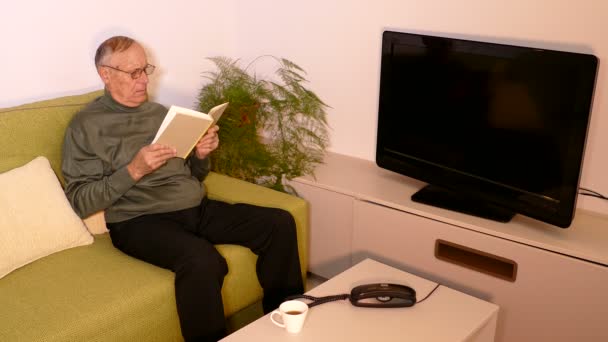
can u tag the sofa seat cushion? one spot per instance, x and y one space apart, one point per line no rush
85 292
97 293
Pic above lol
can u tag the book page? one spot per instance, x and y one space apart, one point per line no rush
183 132
217 111
182 127
171 114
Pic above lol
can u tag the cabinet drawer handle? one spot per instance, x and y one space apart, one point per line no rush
483 262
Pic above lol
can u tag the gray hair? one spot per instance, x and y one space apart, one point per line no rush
111 45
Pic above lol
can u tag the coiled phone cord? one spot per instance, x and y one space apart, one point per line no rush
320 300
326 299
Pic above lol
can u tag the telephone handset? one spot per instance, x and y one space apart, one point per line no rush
378 295
383 295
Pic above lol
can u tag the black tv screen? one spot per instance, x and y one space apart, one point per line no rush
494 129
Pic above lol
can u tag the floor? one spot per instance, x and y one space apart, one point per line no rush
255 311
312 280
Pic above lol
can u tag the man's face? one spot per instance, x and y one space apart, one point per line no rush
124 89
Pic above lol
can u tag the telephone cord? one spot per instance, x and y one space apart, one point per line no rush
320 300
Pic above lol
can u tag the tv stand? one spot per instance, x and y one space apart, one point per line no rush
547 281
444 198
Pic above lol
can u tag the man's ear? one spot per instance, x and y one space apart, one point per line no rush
104 73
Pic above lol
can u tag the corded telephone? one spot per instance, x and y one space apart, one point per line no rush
378 295
383 295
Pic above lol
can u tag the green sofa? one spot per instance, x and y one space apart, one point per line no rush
95 292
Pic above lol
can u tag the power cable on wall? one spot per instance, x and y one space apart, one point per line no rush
591 193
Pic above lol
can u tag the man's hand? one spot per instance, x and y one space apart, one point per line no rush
148 159
209 142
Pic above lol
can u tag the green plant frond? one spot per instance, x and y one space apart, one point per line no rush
291 65
312 135
227 66
315 98
292 117
290 77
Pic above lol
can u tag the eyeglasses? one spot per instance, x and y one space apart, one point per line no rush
135 74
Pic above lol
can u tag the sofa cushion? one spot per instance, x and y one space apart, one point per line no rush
89 293
37 129
96 223
224 188
36 218
98 293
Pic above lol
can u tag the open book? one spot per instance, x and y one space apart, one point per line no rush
182 128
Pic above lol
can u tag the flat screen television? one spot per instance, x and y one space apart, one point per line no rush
494 129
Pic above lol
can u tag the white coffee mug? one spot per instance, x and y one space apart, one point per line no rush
293 313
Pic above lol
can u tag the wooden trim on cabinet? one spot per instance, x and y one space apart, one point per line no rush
477 260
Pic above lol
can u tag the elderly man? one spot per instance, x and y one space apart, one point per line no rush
155 204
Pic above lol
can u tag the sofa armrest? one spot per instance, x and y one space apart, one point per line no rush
232 190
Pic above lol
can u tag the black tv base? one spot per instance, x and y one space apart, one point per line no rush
451 200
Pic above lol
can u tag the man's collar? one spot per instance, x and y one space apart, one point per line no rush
114 105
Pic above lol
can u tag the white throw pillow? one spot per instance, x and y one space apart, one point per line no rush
96 223
36 218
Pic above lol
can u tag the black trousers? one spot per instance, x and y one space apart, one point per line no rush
182 241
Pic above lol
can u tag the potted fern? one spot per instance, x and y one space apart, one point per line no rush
273 130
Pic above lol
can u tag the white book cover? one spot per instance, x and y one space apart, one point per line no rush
182 127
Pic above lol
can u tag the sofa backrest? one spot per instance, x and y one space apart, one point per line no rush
37 129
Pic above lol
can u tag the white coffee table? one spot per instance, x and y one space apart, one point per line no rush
447 315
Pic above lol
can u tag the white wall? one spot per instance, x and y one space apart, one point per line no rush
338 43
47 49
48 46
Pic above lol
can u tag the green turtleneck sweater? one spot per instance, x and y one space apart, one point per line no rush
101 141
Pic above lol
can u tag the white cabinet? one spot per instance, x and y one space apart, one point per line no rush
549 282
330 245
552 298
